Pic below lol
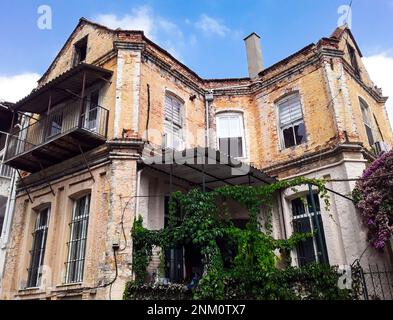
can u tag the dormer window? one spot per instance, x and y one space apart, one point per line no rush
354 62
80 51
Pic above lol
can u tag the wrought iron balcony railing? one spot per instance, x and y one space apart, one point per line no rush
73 124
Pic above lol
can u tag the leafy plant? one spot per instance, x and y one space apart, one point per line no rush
253 271
373 196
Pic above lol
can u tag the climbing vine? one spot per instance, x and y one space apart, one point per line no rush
373 196
252 272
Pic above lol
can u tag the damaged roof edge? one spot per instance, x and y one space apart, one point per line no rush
335 36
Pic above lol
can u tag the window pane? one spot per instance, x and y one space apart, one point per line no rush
38 248
231 146
370 136
173 110
77 244
305 248
365 112
289 140
290 110
300 133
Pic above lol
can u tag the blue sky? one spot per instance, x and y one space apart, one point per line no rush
206 35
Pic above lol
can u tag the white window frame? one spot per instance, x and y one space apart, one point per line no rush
240 115
295 122
169 135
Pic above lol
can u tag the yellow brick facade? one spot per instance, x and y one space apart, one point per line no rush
143 74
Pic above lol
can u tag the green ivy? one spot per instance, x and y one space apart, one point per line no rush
253 272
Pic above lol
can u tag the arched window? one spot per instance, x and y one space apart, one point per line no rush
367 121
291 122
230 134
173 125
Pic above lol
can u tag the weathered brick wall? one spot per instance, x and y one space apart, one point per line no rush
100 42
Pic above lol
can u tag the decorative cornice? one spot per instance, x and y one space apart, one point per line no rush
124 45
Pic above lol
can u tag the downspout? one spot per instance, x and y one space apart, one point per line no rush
208 98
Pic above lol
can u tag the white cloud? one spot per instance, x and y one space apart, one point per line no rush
16 87
210 25
380 68
155 27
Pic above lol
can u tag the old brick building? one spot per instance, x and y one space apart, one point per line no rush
111 96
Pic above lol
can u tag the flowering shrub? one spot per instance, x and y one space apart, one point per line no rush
374 198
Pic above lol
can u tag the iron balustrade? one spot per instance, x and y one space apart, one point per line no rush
5 171
60 121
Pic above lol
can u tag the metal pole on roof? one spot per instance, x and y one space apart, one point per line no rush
319 234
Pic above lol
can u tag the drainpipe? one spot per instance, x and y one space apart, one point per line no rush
138 187
208 98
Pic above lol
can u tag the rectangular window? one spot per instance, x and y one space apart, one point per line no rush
230 134
293 131
304 220
80 51
77 243
367 121
354 62
173 123
38 248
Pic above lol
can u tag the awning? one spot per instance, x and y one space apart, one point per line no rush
61 87
206 166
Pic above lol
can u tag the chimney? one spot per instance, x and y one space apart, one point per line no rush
254 55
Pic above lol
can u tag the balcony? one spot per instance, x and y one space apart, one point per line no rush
5 171
66 120
75 127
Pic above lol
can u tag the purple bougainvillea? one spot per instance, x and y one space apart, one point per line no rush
374 198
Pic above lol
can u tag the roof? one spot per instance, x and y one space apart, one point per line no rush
339 32
60 87
198 166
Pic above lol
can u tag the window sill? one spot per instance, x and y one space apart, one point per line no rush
305 145
67 285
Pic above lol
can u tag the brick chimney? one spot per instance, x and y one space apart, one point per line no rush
254 55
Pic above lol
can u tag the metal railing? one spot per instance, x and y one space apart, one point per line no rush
372 282
5 171
60 121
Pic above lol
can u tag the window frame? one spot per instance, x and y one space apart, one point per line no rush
367 121
77 46
172 125
294 123
353 59
38 227
311 220
240 115
78 260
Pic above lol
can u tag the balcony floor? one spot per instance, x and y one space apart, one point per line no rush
59 148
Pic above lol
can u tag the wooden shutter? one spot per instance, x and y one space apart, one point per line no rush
290 110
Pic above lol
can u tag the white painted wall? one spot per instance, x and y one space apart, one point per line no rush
345 235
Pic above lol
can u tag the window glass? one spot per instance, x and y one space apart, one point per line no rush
292 128
38 248
173 122
230 134
304 221
78 238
